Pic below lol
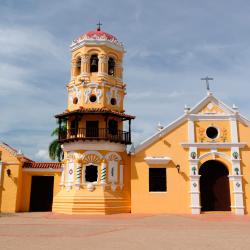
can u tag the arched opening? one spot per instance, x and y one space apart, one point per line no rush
94 63
111 66
78 66
214 187
91 173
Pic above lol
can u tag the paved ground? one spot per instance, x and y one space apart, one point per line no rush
50 231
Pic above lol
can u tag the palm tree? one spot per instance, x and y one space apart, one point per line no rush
55 150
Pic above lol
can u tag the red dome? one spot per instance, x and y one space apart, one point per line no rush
97 35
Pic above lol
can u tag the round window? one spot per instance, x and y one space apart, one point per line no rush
92 98
212 132
75 100
113 101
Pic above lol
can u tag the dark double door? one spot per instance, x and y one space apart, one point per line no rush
41 196
214 187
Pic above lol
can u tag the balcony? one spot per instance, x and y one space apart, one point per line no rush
105 134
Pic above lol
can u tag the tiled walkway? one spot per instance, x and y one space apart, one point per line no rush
51 231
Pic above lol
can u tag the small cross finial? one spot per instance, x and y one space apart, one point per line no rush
99 26
207 79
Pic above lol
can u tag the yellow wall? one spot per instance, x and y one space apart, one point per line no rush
177 198
26 187
9 190
223 127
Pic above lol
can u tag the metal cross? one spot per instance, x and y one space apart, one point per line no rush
207 79
99 26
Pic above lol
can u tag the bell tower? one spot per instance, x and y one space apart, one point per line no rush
96 167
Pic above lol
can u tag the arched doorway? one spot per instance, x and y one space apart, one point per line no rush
214 187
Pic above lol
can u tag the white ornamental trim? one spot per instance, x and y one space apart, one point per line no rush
157 160
213 145
76 46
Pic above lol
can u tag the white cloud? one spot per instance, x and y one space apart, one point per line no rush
42 155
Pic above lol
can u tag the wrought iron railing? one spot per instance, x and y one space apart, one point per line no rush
112 135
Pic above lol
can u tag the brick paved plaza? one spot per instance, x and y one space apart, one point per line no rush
49 231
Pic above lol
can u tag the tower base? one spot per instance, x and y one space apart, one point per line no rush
96 202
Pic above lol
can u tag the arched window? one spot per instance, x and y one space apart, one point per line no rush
113 127
94 63
78 66
91 173
111 66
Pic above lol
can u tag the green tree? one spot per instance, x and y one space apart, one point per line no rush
55 150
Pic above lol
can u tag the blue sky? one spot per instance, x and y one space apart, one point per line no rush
170 45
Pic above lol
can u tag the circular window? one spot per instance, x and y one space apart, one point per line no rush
212 132
92 98
75 100
113 101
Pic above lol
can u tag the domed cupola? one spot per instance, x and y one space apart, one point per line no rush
97 37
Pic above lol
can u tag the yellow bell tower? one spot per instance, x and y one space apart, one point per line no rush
96 167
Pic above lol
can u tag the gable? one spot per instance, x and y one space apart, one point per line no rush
208 108
211 108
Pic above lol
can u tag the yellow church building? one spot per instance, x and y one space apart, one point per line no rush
198 163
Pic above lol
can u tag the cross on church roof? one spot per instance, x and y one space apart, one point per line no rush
207 79
99 26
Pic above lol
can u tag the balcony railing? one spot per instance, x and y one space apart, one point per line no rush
111 135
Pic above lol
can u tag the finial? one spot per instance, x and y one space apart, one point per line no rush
186 109
99 26
235 108
19 152
159 126
207 79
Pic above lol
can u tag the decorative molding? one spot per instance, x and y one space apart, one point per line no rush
74 92
92 89
213 145
109 44
85 58
151 160
113 93
91 157
213 153
113 156
108 146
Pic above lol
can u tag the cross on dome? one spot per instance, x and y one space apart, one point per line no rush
99 26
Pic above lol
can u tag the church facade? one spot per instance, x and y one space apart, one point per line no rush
198 163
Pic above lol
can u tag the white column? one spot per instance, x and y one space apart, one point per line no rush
1 172
62 176
103 173
194 185
78 175
83 175
121 177
70 175
236 179
234 130
85 65
191 136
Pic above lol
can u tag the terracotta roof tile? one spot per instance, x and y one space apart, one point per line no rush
53 165
95 110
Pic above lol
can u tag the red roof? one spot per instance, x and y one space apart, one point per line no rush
44 165
95 111
97 35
